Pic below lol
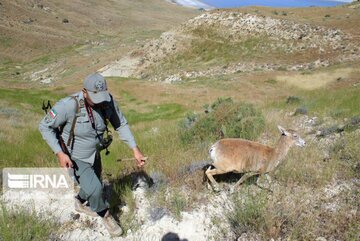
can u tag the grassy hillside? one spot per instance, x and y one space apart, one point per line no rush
222 42
315 190
75 37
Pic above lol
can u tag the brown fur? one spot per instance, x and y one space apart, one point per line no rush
251 158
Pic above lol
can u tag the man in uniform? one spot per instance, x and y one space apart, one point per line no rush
74 129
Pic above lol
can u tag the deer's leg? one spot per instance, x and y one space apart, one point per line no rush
242 179
268 184
210 172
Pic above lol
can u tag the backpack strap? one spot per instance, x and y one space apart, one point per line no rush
72 135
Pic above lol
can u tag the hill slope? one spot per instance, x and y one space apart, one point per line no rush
65 37
231 41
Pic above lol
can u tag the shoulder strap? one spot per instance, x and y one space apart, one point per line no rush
71 135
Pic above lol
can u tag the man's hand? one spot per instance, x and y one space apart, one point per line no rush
64 160
139 157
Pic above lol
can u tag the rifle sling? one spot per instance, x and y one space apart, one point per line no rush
71 139
72 135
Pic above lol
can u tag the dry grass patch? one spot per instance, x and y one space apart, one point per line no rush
315 80
24 225
307 167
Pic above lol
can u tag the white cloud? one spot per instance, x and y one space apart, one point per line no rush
191 3
346 1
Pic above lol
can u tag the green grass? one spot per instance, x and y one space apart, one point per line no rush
344 102
21 225
271 81
157 134
9 70
337 103
248 214
306 167
209 51
53 56
127 97
204 52
28 150
29 99
6 41
347 152
122 195
158 112
140 35
225 118
177 204
22 144
216 82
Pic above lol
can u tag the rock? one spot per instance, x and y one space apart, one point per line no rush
320 239
311 121
46 80
249 237
75 216
301 110
157 213
28 21
172 78
125 209
236 27
65 20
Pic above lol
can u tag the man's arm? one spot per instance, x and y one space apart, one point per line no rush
120 124
48 126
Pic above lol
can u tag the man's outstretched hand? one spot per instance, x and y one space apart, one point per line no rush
139 157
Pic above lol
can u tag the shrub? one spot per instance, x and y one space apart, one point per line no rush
293 100
248 214
223 118
347 152
178 204
25 225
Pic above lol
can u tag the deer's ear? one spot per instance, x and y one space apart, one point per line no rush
282 130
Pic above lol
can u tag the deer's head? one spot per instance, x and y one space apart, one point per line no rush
292 136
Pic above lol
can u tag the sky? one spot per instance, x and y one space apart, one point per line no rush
272 3
207 4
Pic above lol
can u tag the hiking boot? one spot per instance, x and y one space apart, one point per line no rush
111 225
83 208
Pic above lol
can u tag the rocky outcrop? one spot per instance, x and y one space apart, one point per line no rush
321 46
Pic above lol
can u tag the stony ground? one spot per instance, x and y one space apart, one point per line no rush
321 42
194 225
317 46
154 223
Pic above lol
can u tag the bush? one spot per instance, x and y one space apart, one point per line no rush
347 152
248 214
25 225
223 118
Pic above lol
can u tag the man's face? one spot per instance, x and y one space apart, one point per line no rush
87 98
89 101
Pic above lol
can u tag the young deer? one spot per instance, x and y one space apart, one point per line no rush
248 157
